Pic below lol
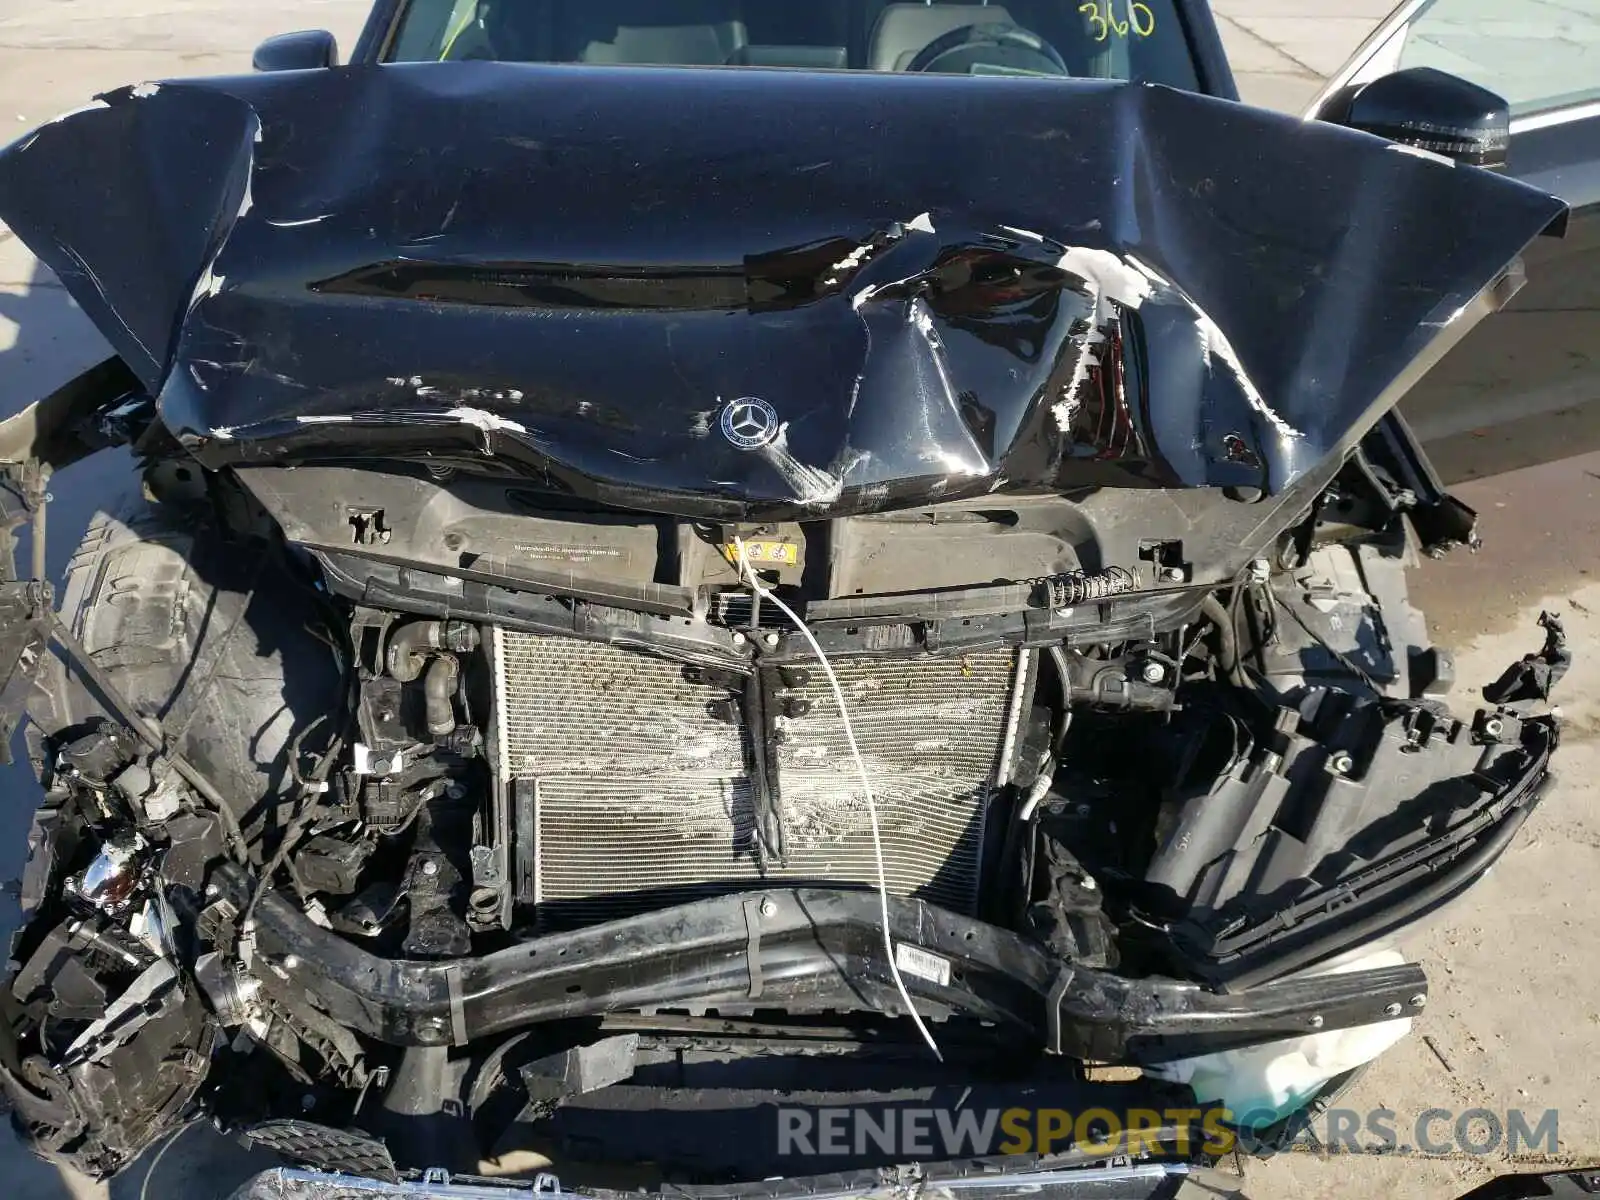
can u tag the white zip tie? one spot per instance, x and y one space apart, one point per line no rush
765 593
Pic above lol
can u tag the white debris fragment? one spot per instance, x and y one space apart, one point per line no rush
415 381
396 381
488 422
223 433
144 91
297 224
700 423
922 223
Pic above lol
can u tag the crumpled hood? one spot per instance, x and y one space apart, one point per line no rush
747 292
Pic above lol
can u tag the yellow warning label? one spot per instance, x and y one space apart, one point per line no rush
771 554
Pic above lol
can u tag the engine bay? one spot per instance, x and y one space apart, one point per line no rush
504 839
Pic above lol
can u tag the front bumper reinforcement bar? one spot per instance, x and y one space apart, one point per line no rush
801 950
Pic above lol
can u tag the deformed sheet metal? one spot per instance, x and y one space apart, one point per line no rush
936 286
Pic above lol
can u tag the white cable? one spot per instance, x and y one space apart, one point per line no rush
765 593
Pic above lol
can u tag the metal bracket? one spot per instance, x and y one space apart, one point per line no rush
752 946
1052 1008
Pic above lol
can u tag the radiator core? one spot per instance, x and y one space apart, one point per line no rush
636 793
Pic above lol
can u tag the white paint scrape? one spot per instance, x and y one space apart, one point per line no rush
922 223
1130 283
145 90
72 112
487 421
1108 279
811 485
1214 344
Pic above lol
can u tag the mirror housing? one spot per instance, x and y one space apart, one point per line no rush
307 50
1430 110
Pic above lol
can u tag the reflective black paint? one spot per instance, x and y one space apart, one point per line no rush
943 286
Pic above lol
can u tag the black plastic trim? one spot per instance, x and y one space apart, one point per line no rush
818 949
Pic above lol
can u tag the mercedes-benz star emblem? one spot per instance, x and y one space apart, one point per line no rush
750 423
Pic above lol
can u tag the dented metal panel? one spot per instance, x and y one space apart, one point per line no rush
933 286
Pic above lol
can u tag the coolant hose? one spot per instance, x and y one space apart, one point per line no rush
1227 640
438 693
410 647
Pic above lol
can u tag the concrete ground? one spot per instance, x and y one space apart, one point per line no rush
1515 1016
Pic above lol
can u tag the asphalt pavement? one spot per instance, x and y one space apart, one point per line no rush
1515 1018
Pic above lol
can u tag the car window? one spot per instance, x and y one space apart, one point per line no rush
1107 39
1537 54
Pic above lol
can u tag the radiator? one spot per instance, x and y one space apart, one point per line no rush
634 791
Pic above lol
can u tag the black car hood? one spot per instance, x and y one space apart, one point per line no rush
748 292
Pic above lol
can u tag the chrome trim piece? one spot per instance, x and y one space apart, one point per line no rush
1555 116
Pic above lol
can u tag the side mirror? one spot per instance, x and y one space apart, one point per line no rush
304 51
1430 110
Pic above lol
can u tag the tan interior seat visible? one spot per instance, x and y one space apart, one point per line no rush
703 33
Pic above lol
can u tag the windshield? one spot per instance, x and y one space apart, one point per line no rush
1102 39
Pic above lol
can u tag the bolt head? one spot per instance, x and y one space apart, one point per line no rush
770 639
430 1032
429 867
1391 1010
1153 672
1089 884
1418 1000
1494 726
1173 574
291 962
1342 763
1316 1021
769 907
739 639
212 891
